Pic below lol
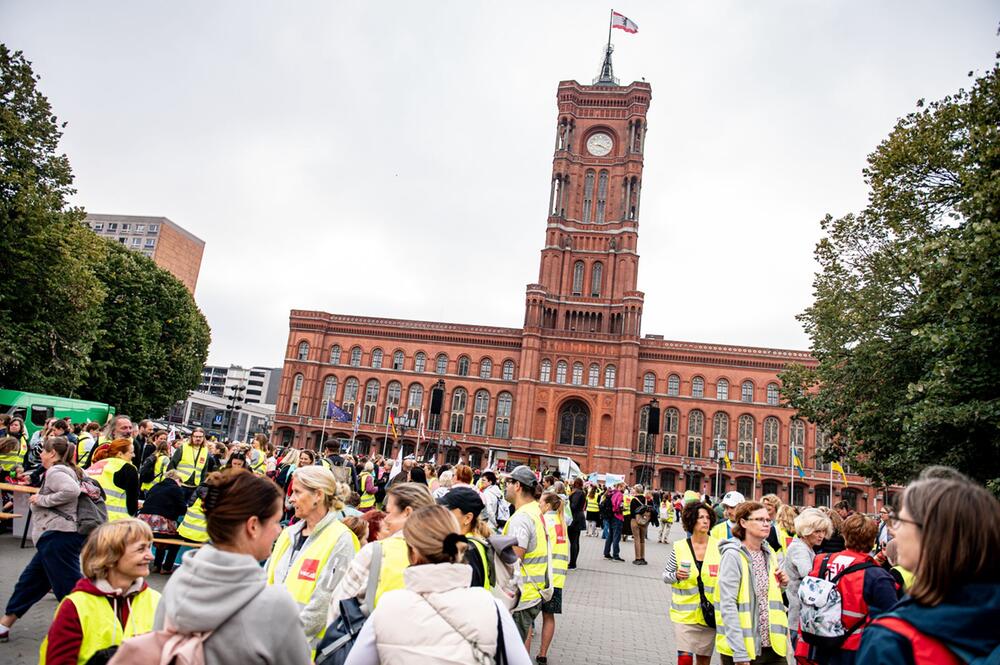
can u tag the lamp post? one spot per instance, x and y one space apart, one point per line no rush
690 468
719 454
235 401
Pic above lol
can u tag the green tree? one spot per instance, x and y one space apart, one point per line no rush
49 296
153 339
906 320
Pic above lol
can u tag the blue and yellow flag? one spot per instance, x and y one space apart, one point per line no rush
797 463
835 466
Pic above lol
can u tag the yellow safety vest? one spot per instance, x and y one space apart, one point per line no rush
536 562
626 504
9 461
395 559
194 526
776 617
159 468
23 446
101 627
784 538
720 531
556 531
192 463
260 468
367 500
103 472
685 601
309 563
593 503
81 445
906 575
481 548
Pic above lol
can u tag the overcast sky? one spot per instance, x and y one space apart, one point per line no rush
393 158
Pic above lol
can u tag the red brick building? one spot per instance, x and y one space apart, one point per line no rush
578 378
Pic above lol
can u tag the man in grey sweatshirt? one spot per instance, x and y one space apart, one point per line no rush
227 593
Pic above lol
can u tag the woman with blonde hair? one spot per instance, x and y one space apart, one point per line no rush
111 602
810 528
551 505
458 624
311 555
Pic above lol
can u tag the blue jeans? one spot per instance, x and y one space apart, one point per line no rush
55 566
614 539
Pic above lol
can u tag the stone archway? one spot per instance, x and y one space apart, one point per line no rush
573 423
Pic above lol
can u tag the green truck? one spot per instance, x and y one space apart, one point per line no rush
35 408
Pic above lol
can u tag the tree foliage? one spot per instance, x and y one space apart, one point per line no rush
79 315
906 319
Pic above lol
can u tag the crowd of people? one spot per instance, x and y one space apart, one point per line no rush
301 556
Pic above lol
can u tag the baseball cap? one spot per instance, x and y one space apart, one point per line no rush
523 475
733 499
465 499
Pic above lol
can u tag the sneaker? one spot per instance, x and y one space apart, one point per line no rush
4 633
643 562
608 557
618 558
637 562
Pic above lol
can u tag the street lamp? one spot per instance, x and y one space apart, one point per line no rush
234 407
690 468
719 454
652 411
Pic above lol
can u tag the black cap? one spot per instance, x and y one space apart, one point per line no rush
465 499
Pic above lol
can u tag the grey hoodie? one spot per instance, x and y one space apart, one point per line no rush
228 593
728 589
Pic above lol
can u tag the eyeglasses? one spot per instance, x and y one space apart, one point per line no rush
895 522
762 520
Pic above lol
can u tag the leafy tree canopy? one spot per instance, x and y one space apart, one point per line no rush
906 319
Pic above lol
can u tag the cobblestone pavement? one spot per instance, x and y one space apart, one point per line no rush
613 612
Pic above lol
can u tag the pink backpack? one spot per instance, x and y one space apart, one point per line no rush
162 647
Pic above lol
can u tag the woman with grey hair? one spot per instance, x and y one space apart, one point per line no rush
812 526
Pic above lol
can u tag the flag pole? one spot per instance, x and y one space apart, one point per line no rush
756 468
611 21
791 477
322 435
831 485
386 439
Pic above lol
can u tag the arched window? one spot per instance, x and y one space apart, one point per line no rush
452 455
545 371
574 417
602 195
480 408
720 430
350 395
463 366
609 376
369 413
356 356
414 402
459 398
485 368
329 394
508 370
594 375
671 419
744 443
397 360
722 389
797 440
697 387
772 394
335 354
578 278
771 429
392 395
588 195
673 385
577 374
643 430
649 383
441 364
297 382
746 391
596 279
303 350
696 430
377 359
501 429
561 371
420 362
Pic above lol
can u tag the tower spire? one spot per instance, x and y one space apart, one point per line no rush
607 76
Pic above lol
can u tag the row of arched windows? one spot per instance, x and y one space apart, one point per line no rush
596 278
576 378
722 392
379 360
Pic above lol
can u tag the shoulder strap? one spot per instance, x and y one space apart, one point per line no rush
374 571
697 578
851 569
501 657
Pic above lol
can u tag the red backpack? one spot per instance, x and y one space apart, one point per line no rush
926 649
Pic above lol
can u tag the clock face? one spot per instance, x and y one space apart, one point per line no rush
599 144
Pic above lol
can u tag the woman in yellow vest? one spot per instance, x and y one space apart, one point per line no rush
112 601
555 529
16 429
311 556
119 479
10 457
154 468
466 505
388 556
693 560
751 624
88 439
194 524
366 483
594 510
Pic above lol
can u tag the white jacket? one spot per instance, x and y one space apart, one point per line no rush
435 620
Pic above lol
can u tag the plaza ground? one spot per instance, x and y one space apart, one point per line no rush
612 611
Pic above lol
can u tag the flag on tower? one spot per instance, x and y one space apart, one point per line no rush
835 466
622 22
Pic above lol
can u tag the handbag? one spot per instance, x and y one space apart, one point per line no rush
707 608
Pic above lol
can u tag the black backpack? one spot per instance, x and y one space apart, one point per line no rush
607 511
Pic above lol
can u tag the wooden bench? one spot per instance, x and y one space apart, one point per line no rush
10 516
177 541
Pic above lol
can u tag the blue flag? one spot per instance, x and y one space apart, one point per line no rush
337 413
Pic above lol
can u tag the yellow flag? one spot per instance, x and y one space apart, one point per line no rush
756 463
835 466
725 462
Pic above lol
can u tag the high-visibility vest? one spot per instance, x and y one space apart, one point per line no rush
192 463
260 468
395 559
721 531
480 547
537 574
82 447
104 473
159 468
367 500
776 617
101 627
685 600
906 576
9 461
308 563
784 538
22 447
626 504
556 531
593 503
194 526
